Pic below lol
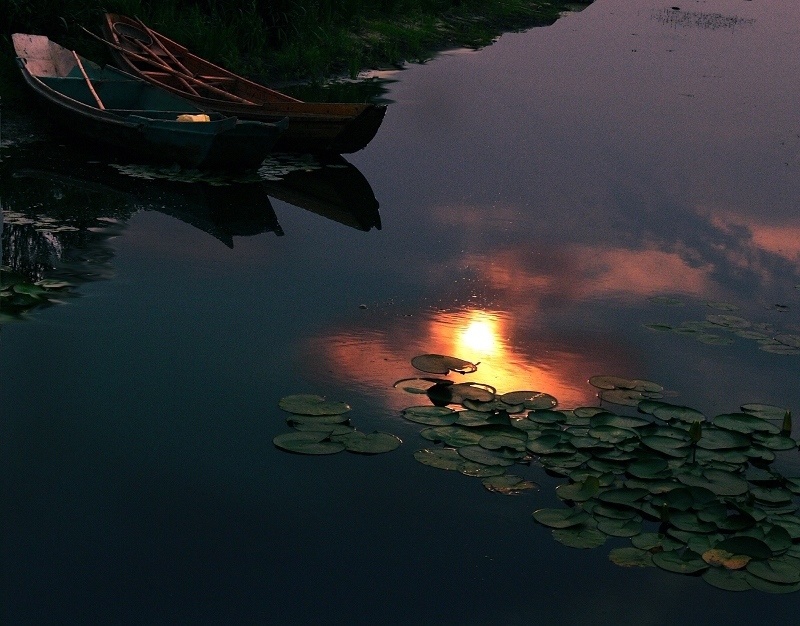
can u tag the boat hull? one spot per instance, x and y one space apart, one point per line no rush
137 118
336 127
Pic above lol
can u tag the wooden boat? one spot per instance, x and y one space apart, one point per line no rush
313 126
125 113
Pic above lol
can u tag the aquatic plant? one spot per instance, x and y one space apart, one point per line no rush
693 495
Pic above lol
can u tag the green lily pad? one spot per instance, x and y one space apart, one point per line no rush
508 485
441 364
456 393
622 397
745 423
631 557
479 470
455 436
666 445
579 492
624 422
715 439
728 580
311 404
581 537
768 586
764 411
479 454
778 570
430 415
316 426
549 444
686 562
307 443
749 546
499 442
779 443
546 416
531 400
622 496
677 413
441 458
655 542
720 482
620 528
560 518
372 443
655 467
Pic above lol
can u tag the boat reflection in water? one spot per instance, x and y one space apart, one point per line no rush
59 211
329 186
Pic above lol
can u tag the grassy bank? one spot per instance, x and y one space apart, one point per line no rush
284 40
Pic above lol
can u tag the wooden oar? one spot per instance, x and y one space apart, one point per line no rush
88 82
156 40
158 62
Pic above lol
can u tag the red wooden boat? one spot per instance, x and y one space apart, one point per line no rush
313 126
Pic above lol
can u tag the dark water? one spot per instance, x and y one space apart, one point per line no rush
539 202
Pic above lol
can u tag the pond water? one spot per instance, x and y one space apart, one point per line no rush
549 206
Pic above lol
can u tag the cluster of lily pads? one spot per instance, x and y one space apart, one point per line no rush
768 338
19 294
322 426
694 495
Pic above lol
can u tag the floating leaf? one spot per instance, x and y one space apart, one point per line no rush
311 404
623 397
764 411
441 458
508 485
678 413
455 436
579 492
430 415
631 557
686 562
775 570
560 518
372 443
620 528
749 546
479 454
728 580
745 423
441 364
581 537
532 400
308 443
456 393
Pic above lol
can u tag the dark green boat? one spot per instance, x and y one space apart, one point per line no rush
125 113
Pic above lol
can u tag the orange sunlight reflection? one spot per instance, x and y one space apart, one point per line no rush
374 360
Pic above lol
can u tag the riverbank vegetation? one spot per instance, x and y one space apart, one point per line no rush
285 40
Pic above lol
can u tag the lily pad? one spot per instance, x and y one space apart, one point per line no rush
581 537
560 518
441 458
764 411
728 580
579 492
674 412
311 404
430 415
372 443
686 562
441 364
631 557
531 400
308 443
749 546
479 454
508 485
775 570
455 436
745 423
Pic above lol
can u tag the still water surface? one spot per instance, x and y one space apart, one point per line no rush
541 201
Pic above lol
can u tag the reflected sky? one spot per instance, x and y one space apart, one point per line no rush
536 198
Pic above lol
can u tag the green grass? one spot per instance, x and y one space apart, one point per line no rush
284 40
